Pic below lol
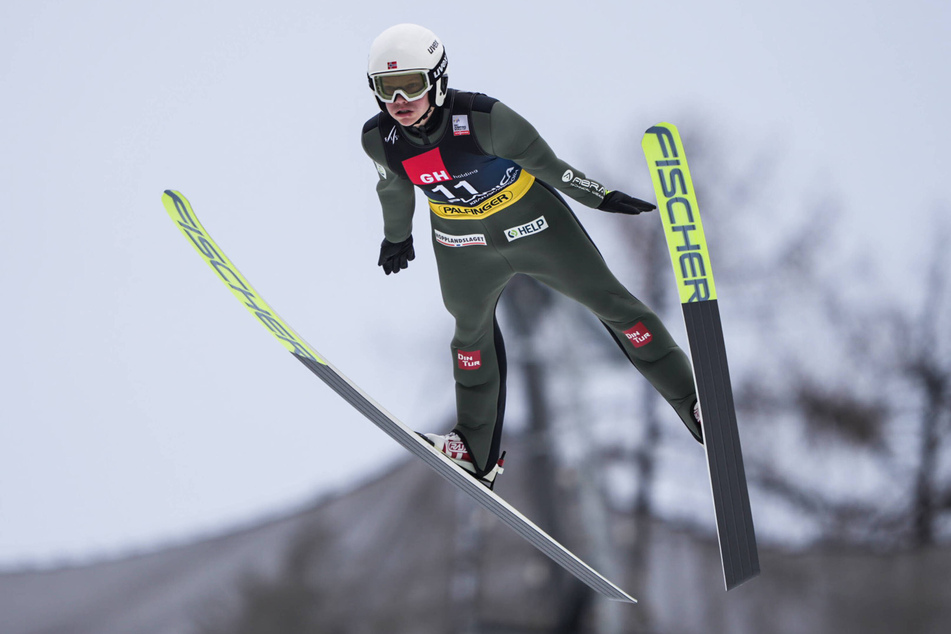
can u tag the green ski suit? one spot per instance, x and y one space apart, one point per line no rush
490 180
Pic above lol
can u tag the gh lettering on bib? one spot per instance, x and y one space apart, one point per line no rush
427 168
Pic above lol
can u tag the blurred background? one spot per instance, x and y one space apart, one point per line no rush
166 467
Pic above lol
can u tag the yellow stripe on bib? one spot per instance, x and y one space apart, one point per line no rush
495 203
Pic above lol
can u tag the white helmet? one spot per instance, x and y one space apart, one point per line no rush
408 60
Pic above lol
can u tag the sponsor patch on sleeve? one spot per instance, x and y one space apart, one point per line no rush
586 184
380 170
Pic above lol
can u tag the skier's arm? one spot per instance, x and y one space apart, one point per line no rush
511 136
505 133
397 194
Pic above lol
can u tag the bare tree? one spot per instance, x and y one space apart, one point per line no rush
924 361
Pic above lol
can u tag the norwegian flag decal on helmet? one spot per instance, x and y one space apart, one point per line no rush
390 65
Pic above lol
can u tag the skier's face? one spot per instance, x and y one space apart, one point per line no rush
407 112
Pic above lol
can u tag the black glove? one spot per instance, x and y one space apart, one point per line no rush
395 257
620 203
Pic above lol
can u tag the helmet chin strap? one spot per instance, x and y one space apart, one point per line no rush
426 114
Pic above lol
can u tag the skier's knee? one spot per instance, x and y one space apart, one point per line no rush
473 377
646 340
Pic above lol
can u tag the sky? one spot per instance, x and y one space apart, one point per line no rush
140 406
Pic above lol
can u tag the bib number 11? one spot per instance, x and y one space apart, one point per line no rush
461 185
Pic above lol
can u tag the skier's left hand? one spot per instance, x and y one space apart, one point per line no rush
620 203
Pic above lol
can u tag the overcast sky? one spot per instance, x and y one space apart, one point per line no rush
140 405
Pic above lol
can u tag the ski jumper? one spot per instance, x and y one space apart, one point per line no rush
491 183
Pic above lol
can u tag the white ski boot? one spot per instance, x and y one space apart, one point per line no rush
453 446
697 417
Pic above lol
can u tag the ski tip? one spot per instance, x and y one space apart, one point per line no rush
175 203
663 125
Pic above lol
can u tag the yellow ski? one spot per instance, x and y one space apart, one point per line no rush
680 213
184 216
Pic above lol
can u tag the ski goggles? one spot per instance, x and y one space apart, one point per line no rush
411 85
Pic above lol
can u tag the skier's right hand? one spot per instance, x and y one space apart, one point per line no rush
395 257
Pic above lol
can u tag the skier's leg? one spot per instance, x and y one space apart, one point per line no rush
472 279
564 258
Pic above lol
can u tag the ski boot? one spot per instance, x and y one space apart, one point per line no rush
455 449
699 420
